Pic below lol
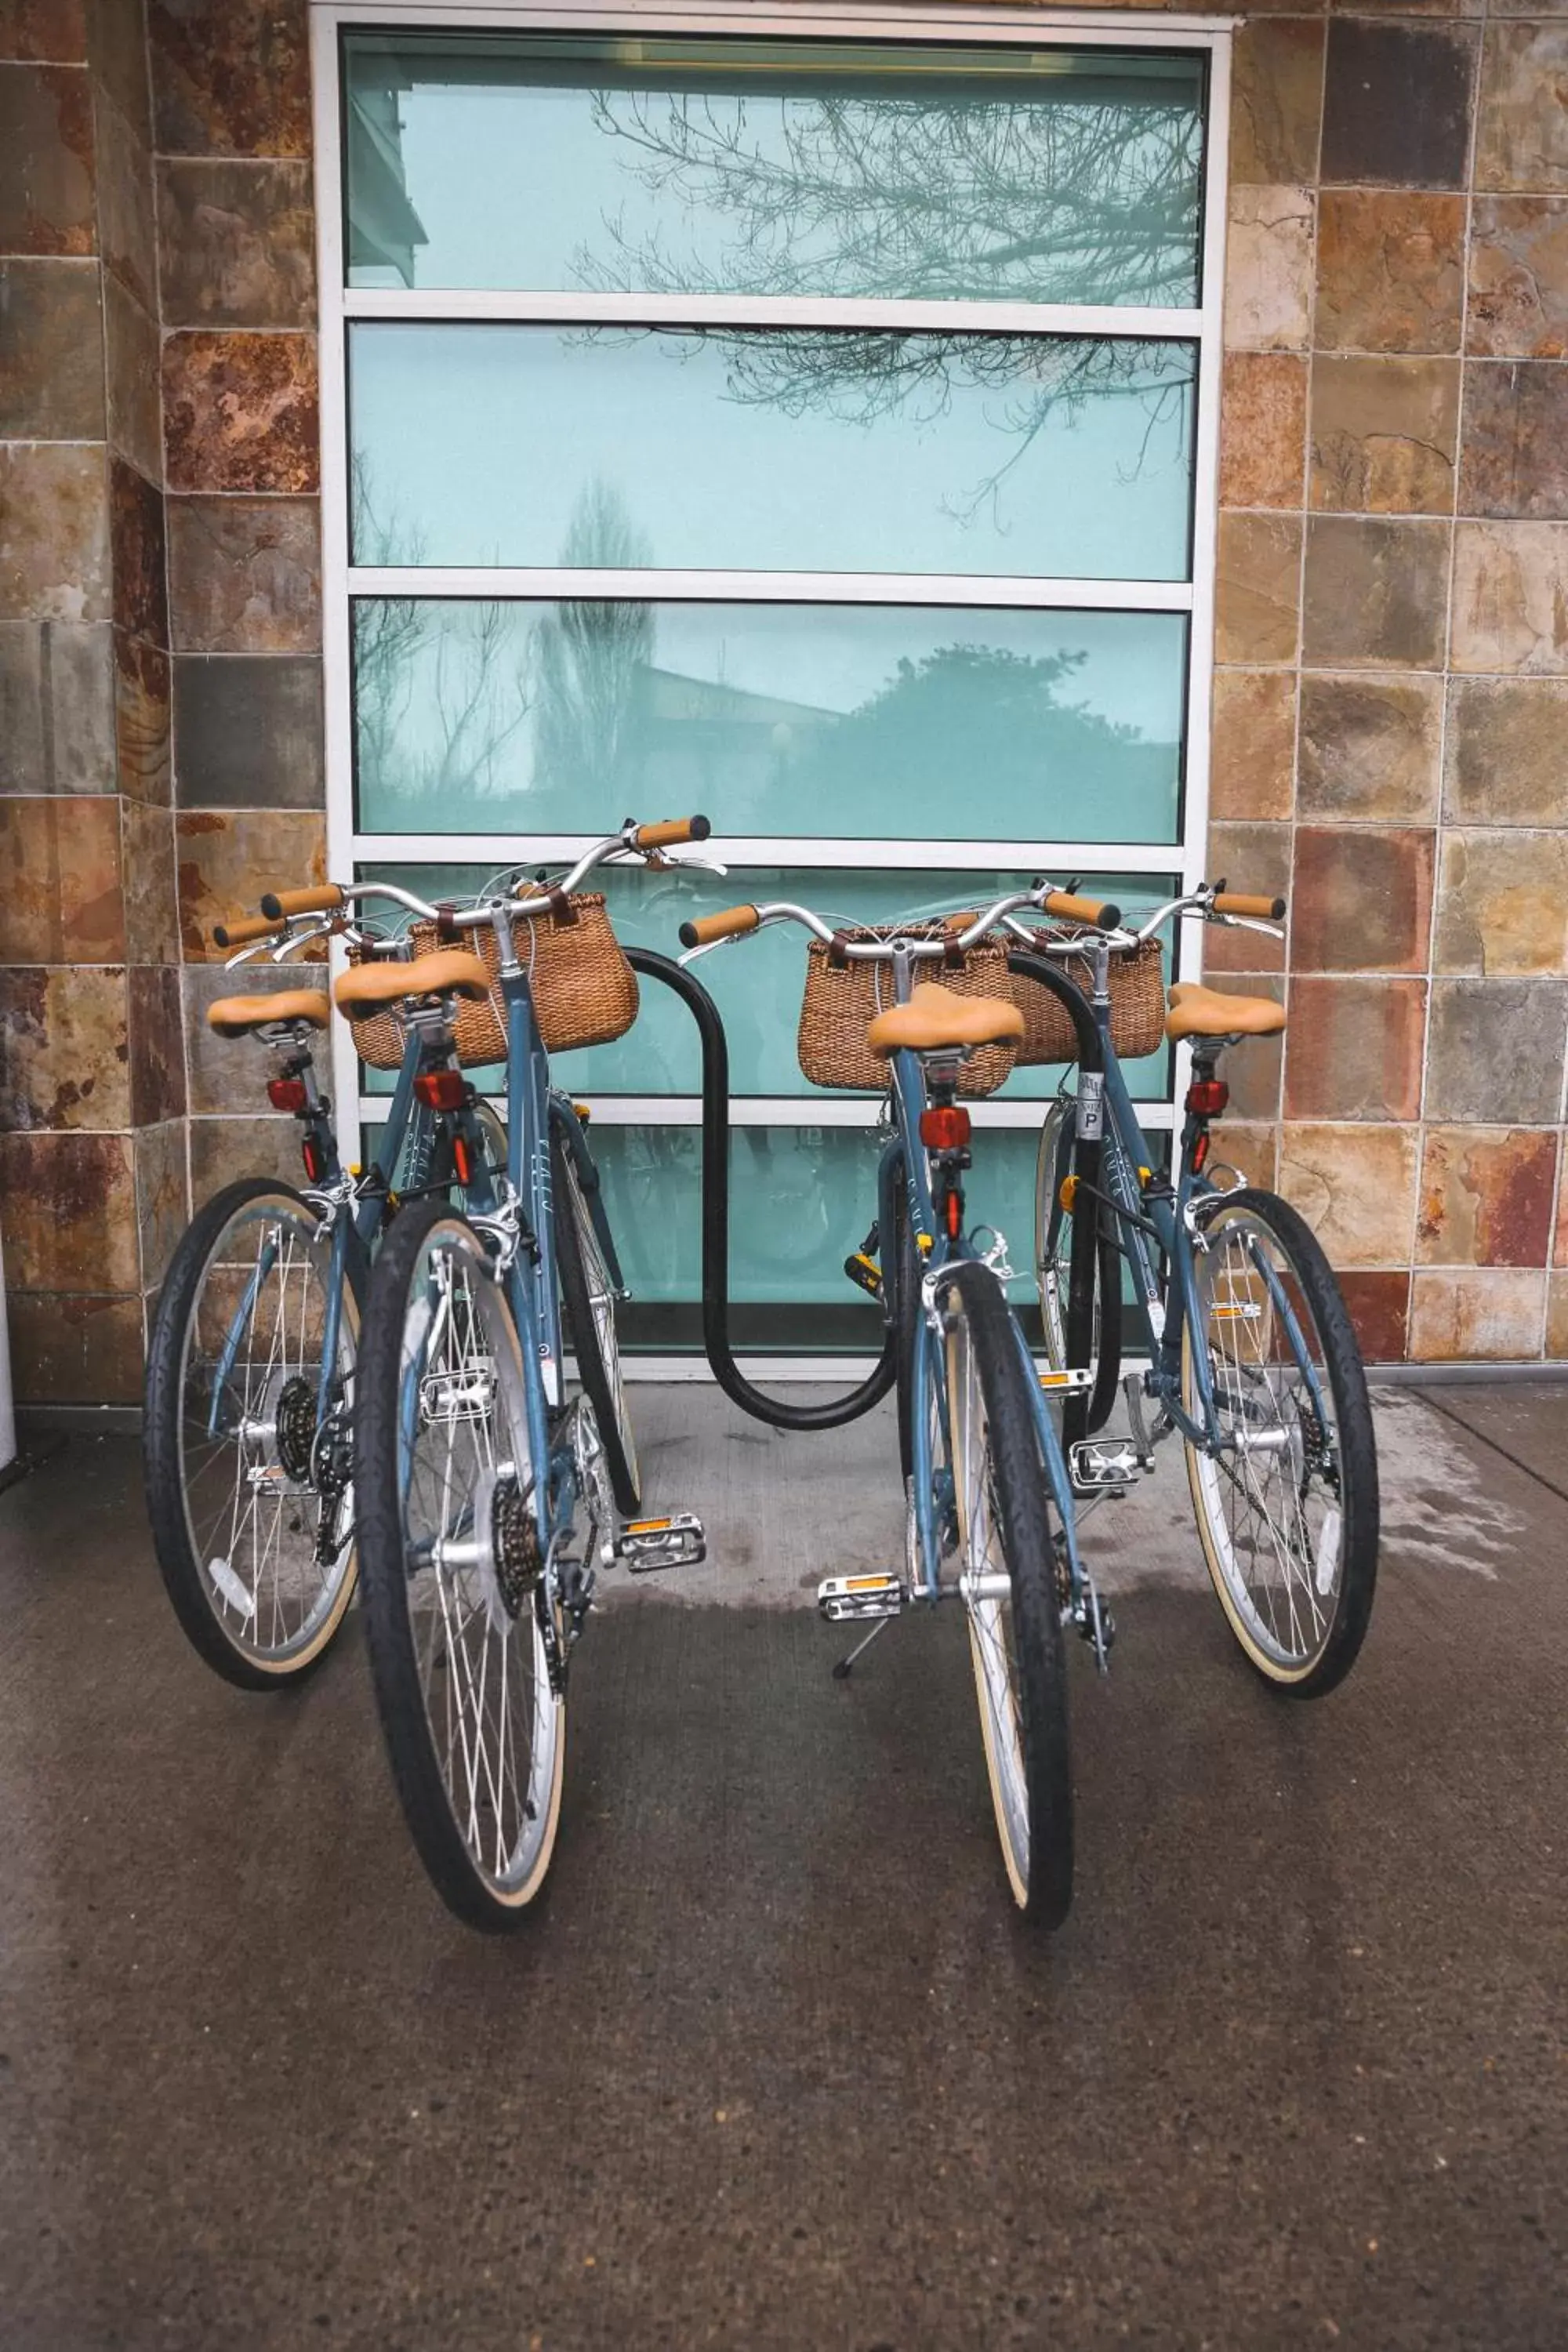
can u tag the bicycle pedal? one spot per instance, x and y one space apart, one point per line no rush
1077 1377
1096 1464
842 1597
644 1545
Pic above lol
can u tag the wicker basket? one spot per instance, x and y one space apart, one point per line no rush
1137 1007
841 999
584 991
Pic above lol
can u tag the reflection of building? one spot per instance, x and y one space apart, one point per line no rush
692 738
384 227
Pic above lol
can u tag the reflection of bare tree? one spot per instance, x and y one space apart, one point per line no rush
590 651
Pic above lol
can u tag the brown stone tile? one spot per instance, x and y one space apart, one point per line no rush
1362 900
1518 278
43 32
1390 271
225 1149
1252 743
1375 593
1276 101
57 707
233 80
1268 269
51 371
162 1197
140 566
67 1211
245 576
1356 1186
1383 433
1252 1149
1263 429
1396 103
226 860
238 244
1503 902
1369 747
1514 462
64 1060
1252 857
1511 598
157 1044
1557 1316
152 899
1257 588
126 230
54 532
1521 139
229 1074
1485 1196
117 55
132 362
1503 752
1560 1239
62 859
1379 1307
239 412
75 1351
1476 1314
1353 1048
141 696
1495 1049
249 731
46 161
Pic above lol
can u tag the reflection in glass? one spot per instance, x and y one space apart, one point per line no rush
818 721
829 450
790 168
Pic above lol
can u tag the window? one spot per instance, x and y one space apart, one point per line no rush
815 432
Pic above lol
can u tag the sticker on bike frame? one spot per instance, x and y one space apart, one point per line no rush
1090 1106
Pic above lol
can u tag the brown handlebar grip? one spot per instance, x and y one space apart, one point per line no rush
243 929
326 900
670 831
733 924
1069 908
1236 902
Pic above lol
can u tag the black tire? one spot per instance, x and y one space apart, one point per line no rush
174 1470
590 1330
1020 1668
1340 1460
420 1637
1077 1272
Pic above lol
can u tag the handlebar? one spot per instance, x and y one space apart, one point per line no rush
669 833
1099 913
1236 902
277 904
707 930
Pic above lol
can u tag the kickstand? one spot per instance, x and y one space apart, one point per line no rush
841 1671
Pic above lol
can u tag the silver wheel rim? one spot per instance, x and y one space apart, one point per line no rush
249 1461
479 1647
991 1632
1275 1525
601 1307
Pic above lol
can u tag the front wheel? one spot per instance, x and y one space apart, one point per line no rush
1010 1590
1287 1508
460 1613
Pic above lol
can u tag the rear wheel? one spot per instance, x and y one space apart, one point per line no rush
588 1305
1287 1512
1067 1237
1010 1591
459 1610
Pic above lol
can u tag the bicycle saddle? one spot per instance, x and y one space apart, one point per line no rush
1198 1012
234 1016
445 971
934 1018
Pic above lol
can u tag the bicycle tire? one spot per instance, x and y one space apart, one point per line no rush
1335 1647
200 1604
1001 1495
588 1309
411 1691
1078 1269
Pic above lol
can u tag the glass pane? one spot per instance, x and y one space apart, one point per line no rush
757 984
773 168
830 721
805 450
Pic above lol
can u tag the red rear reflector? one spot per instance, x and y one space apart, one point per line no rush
312 1159
1207 1096
462 1159
1201 1152
286 1094
944 1128
442 1089
954 1215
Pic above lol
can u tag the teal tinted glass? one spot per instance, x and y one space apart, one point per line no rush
826 722
721 449
772 167
757 985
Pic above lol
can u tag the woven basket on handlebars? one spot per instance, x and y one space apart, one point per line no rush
1137 1007
584 991
841 999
